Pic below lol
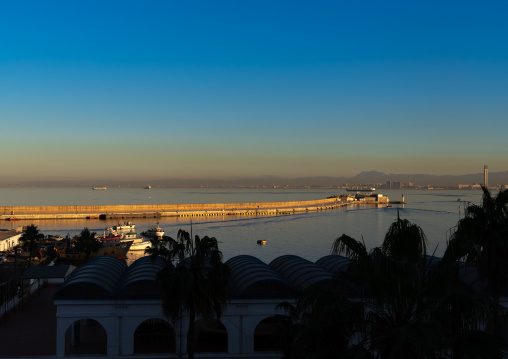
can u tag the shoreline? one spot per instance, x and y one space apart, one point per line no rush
13 213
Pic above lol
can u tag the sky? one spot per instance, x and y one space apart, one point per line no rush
220 89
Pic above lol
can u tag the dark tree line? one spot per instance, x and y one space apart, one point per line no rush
410 304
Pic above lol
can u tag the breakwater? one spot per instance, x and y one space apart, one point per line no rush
168 210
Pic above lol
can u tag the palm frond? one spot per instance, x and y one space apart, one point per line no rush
351 248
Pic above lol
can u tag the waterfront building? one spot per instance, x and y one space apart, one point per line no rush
117 305
9 239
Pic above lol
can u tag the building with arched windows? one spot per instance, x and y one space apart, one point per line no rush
109 309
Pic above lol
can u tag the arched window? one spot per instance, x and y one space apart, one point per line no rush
211 336
267 334
86 336
154 336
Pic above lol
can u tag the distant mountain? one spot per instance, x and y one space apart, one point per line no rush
366 177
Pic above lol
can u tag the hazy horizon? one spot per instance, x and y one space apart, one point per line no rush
364 177
143 91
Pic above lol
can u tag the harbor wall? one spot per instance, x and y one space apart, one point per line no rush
164 210
16 210
176 210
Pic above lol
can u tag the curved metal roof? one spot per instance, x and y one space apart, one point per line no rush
107 277
140 278
334 263
300 272
251 276
97 278
337 264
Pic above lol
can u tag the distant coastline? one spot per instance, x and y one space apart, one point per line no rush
368 178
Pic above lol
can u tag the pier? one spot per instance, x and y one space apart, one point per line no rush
173 210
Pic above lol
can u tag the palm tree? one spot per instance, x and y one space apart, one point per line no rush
88 243
322 325
30 239
481 238
194 280
414 308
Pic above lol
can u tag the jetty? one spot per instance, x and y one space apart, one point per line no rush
12 213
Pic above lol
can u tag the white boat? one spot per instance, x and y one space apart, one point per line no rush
126 226
154 231
138 244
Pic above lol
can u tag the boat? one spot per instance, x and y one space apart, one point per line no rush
138 244
154 231
148 187
126 226
111 237
262 242
112 249
99 188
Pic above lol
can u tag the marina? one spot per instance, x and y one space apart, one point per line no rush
307 234
184 210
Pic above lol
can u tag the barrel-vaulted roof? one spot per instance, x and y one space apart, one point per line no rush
334 263
107 277
300 272
98 278
252 277
139 279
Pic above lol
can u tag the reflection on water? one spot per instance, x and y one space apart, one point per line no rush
308 235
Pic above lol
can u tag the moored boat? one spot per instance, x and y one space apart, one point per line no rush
126 226
154 231
111 237
138 244
113 249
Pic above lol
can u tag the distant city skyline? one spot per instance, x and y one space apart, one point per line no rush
226 89
364 179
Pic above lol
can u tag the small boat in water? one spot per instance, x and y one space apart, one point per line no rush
99 188
138 244
154 231
262 242
111 237
126 226
113 249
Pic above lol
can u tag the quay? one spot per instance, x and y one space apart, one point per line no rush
12 213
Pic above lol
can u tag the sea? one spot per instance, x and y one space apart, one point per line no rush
309 235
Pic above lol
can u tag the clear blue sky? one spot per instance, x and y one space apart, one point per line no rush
164 89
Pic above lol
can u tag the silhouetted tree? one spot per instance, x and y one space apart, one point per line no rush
323 324
481 239
194 280
415 306
30 239
88 243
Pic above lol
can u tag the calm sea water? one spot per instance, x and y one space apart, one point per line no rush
309 235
